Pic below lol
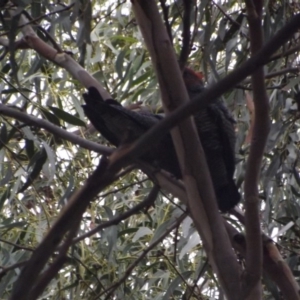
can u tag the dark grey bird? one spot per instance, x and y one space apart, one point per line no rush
214 124
120 125
215 127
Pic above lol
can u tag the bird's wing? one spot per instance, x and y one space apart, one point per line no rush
225 128
113 121
118 124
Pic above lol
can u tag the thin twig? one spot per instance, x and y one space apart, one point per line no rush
225 14
12 267
285 53
16 245
165 10
149 200
186 33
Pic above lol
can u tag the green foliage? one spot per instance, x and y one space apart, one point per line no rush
39 171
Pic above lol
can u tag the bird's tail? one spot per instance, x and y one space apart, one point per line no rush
92 95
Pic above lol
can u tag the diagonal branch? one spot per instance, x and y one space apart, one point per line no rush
56 265
186 33
149 200
68 218
55 130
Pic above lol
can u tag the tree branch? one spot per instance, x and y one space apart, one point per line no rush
55 130
259 138
54 268
288 52
198 184
165 10
68 218
284 71
273 264
149 200
186 33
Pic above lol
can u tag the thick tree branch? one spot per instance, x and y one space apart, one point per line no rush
197 183
56 265
68 218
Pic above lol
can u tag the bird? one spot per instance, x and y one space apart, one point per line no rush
120 126
215 127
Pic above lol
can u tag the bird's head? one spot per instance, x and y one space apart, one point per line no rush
193 81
